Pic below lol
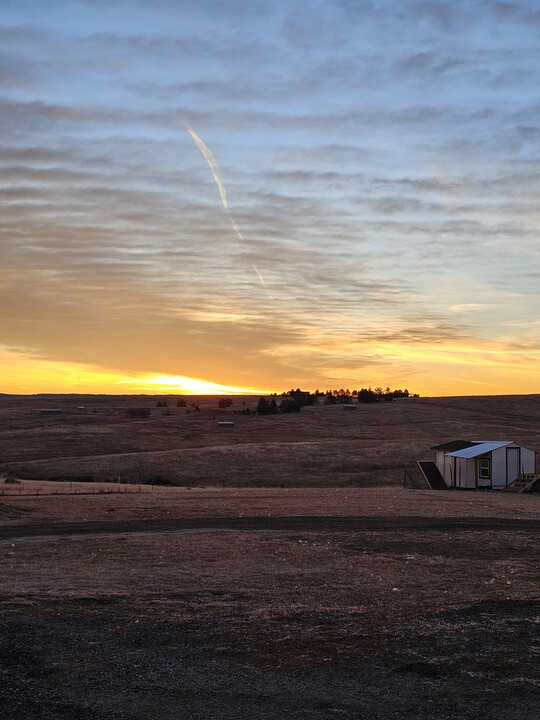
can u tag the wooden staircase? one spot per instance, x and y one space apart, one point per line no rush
525 483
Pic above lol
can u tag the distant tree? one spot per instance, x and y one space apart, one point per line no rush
225 403
181 403
366 395
303 398
289 405
263 407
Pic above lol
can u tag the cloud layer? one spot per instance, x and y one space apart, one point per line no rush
380 160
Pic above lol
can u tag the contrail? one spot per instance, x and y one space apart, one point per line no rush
214 169
262 282
212 164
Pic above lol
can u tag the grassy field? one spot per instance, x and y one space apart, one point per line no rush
270 603
321 446
288 576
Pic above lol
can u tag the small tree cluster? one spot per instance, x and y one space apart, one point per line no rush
267 407
289 405
180 402
225 403
367 395
302 397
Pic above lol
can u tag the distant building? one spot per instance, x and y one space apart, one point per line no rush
478 464
50 411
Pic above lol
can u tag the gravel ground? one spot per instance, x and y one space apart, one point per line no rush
97 660
395 606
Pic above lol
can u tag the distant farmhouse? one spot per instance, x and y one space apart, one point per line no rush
476 464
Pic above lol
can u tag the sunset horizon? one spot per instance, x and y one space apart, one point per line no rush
321 195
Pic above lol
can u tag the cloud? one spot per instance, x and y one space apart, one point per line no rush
379 160
469 307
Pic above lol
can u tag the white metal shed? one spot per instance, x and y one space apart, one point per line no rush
483 463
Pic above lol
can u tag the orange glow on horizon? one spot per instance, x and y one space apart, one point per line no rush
442 370
183 385
27 375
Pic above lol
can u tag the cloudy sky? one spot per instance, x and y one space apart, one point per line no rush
381 164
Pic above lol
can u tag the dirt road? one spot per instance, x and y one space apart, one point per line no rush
300 523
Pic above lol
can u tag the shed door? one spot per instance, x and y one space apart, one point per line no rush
512 464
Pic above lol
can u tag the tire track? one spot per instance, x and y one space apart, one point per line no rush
300 523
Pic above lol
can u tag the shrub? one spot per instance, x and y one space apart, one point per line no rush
289 405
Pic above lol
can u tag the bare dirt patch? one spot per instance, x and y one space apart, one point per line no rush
309 603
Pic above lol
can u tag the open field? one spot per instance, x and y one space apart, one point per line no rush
321 446
328 593
270 603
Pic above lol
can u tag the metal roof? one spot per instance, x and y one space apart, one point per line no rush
483 447
453 445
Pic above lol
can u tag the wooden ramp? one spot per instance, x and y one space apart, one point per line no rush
524 483
432 475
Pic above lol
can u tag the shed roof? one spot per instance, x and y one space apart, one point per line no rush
453 445
480 448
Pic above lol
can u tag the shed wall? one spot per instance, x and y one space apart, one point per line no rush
528 461
498 467
468 472
463 472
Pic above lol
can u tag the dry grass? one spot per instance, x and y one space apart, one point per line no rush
270 624
322 446
280 597
143 503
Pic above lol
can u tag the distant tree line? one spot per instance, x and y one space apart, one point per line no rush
295 400
364 395
291 402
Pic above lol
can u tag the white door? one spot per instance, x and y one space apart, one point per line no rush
512 464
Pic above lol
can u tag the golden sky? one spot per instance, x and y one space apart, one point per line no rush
199 198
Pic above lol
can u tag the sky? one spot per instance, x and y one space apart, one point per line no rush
361 208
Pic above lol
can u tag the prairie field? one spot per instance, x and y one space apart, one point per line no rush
321 446
285 574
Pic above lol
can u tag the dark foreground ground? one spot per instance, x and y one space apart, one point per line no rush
408 613
91 660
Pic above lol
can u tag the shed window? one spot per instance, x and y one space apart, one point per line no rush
484 468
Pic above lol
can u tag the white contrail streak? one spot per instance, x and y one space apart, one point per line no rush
262 282
212 164
214 169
